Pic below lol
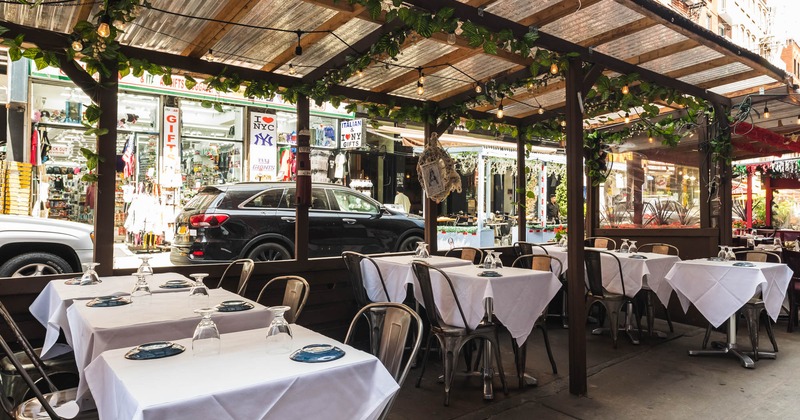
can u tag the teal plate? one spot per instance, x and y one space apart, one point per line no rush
743 264
176 284
234 306
107 301
155 350
317 353
637 257
489 274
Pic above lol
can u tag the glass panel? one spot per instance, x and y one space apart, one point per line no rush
209 162
198 121
138 112
353 203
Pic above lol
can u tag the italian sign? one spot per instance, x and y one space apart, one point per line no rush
263 147
351 134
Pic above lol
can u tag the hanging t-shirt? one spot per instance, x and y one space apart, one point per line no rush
341 163
331 166
35 147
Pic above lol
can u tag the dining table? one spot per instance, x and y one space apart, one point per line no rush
50 306
718 289
244 381
167 316
397 274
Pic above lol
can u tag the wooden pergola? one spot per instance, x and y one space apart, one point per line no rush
614 36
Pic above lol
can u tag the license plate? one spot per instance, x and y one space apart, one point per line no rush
182 230
192 232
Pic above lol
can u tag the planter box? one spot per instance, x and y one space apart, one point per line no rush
483 240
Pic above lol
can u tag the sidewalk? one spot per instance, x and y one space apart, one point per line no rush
655 380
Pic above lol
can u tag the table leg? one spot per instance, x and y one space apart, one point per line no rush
651 316
730 347
488 372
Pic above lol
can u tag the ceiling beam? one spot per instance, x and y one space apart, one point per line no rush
589 79
81 14
320 32
555 12
686 44
212 32
699 67
619 32
430 67
730 79
467 92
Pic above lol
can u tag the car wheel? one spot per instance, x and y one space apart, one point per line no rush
269 251
34 264
409 244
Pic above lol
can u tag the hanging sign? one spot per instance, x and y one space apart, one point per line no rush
437 171
543 198
171 162
351 134
263 147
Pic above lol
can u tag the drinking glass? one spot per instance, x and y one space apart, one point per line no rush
422 250
206 341
144 267
198 294
624 248
721 254
451 242
488 262
777 242
633 249
141 290
279 334
729 255
498 263
89 275
751 242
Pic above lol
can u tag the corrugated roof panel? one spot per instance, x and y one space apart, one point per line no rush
261 45
53 17
682 60
591 21
478 67
325 49
715 73
645 41
743 84
518 9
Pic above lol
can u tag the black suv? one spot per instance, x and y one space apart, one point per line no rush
256 220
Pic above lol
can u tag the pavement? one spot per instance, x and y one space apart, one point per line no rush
655 380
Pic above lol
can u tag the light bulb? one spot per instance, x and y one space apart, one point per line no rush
627 118
554 68
120 25
420 89
292 71
625 90
421 78
541 110
650 139
766 111
103 30
359 73
77 45
500 113
451 39
798 120
479 89
564 123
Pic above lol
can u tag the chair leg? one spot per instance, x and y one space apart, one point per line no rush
707 336
425 359
547 347
520 354
752 328
613 318
499 361
770 333
564 318
669 319
449 357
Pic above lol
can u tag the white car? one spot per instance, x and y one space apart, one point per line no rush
32 246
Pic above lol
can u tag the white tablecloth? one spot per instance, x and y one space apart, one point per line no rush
243 382
519 297
167 317
397 273
718 289
50 307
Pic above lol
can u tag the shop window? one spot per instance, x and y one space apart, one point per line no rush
138 113
323 130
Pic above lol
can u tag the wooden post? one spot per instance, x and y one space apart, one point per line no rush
430 206
303 181
767 183
749 205
725 196
705 177
575 267
107 172
592 207
522 211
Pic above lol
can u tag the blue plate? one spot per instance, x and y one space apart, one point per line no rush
489 274
234 306
107 301
75 281
317 353
176 284
638 257
715 259
743 264
155 350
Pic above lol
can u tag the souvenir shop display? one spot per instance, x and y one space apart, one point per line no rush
319 165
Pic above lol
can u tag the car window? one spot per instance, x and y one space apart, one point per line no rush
202 200
267 199
288 199
353 202
319 200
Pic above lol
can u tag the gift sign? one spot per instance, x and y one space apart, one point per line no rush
351 134
171 162
263 147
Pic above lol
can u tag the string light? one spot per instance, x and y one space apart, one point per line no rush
625 89
563 123
359 73
421 75
554 68
103 29
798 120
478 88
766 111
650 139
298 50
541 110
420 82
77 45
627 118
292 71
500 112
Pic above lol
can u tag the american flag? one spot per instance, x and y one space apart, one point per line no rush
129 157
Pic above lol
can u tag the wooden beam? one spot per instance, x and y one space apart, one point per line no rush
303 180
81 14
731 79
689 29
617 33
697 68
467 92
233 11
551 87
752 90
480 3
651 55
435 66
556 11
306 40
336 5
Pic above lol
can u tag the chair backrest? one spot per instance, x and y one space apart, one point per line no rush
295 295
467 253
244 275
792 259
758 256
539 262
660 248
423 273
352 260
600 242
526 248
594 271
30 352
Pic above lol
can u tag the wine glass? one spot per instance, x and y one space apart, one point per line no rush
141 290
422 250
498 263
206 341
729 254
777 242
144 267
198 294
624 248
721 254
89 275
451 242
633 249
488 262
751 242
279 333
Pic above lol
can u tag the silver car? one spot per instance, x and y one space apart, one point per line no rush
32 246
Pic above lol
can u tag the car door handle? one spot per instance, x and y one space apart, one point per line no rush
288 219
349 221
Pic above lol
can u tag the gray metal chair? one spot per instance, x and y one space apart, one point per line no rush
397 323
600 242
295 295
663 249
451 338
353 260
244 275
597 293
660 248
467 253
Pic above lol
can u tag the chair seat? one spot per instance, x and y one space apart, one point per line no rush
65 360
606 296
32 409
450 330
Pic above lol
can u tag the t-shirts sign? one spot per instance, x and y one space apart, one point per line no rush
263 147
352 134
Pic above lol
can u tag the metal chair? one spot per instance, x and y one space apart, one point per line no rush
538 263
600 242
792 259
61 370
660 248
467 253
353 260
294 296
526 248
397 323
597 293
451 338
247 269
753 309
